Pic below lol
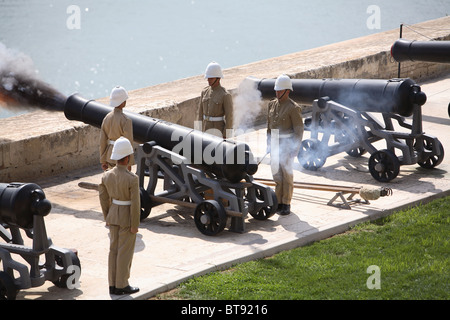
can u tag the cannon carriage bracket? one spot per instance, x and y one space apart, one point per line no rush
342 121
213 199
337 128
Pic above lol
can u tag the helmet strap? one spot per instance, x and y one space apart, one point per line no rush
212 85
285 90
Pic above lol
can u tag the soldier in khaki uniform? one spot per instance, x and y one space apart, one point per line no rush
284 137
120 202
115 124
215 109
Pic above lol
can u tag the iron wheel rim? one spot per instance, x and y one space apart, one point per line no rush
210 217
384 166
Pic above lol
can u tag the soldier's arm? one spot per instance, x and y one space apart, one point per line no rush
105 200
268 146
128 133
228 109
103 144
128 130
199 115
297 123
135 210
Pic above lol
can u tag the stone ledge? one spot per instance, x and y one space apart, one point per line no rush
41 144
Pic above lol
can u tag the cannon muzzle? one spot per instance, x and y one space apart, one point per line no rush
366 95
428 51
19 202
228 159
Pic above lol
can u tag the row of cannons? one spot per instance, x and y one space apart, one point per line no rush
348 116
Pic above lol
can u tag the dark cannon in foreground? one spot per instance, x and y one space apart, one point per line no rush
428 51
211 175
344 120
24 206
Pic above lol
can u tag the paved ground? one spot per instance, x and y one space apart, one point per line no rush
170 249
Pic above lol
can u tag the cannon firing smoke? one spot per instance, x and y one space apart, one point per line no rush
20 86
247 105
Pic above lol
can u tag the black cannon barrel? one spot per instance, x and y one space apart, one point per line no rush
19 202
367 95
428 51
227 159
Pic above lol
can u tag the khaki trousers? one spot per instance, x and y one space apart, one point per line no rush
283 176
281 163
121 250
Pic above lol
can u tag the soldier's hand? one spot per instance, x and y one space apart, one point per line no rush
134 230
104 166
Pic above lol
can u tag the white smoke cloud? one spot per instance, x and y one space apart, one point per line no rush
14 62
247 105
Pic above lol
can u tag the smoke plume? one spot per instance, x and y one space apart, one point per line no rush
247 105
21 88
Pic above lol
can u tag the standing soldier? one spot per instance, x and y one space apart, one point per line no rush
115 124
120 201
284 137
216 105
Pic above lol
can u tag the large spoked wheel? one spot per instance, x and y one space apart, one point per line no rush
8 290
210 217
146 205
63 281
433 160
384 165
265 212
312 155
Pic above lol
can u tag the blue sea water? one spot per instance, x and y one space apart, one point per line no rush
91 46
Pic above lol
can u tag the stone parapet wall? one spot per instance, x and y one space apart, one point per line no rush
41 144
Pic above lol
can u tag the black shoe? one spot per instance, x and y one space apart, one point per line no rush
112 289
126 290
280 206
285 210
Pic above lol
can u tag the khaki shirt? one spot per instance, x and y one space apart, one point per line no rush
287 118
120 184
115 125
215 102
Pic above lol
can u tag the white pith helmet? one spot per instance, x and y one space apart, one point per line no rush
213 70
118 96
283 82
122 148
